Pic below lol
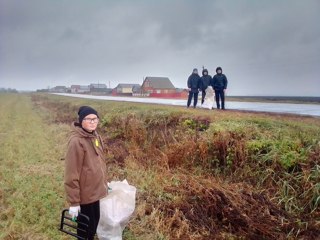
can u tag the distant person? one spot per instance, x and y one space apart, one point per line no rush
219 84
205 81
85 169
193 87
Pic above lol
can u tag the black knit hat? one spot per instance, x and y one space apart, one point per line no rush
218 68
85 111
205 70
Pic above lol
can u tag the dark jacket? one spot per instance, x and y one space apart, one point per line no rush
219 82
205 81
194 82
85 169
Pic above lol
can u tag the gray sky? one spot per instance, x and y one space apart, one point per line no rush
265 47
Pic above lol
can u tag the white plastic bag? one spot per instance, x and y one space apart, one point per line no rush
115 210
209 98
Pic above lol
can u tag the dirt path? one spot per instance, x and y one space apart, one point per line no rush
31 172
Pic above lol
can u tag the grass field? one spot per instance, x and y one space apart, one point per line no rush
199 174
31 172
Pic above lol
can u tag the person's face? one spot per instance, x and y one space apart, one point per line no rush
219 71
90 122
205 73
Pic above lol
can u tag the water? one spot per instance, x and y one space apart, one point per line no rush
291 108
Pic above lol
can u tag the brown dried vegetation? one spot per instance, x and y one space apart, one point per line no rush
236 176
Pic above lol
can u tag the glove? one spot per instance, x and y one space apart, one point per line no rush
73 211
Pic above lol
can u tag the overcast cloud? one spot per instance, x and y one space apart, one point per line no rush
264 47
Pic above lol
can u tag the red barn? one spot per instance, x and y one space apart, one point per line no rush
160 87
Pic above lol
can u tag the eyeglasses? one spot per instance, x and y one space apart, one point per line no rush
91 120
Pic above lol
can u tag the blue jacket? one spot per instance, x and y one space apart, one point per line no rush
219 82
205 82
194 82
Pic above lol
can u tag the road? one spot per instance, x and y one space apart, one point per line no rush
290 108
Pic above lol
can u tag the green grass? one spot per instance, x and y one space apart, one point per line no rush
31 172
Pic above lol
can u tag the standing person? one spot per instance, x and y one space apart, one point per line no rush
193 86
205 81
219 84
85 169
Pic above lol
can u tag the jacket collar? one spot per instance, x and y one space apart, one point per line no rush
76 128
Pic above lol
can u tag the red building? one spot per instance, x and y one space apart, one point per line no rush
161 87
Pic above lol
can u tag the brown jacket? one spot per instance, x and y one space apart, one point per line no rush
85 169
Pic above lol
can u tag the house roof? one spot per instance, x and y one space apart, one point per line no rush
160 82
100 85
60 87
127 85
84 87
